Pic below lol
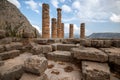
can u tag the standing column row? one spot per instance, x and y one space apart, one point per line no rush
45 21
71 31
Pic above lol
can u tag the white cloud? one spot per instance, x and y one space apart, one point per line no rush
115 18
15 2
76 4
55 3
66 8
38 28
33 5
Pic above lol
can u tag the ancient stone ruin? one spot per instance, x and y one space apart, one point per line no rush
57 58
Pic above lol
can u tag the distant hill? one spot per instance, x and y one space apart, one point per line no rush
105 35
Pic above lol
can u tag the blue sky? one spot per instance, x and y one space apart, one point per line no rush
98 15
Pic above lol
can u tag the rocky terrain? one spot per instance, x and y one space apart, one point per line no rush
13 23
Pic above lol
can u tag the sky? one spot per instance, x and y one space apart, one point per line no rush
98 15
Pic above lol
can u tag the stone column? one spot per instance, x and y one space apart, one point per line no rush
59 35
82 30
71 31
62 26
45 21
54 28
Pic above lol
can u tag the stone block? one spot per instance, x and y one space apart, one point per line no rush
60 56
6 40
2 49
66 47
114 57
13 46
91 54
9 54
41 41
1 63
12 74
27 76
35 65
46 48
85 42
116 43
51 41
95 71
71 41
2 34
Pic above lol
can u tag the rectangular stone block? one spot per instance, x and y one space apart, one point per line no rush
12 74
60 56
35 65
114 57
9 54
91 54
41 41
66 47
2 49
13 46
95 71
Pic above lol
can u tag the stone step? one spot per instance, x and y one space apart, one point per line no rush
12 68
27 76
60 56
13 46
114 57
91 54
9 54
95 71
66 47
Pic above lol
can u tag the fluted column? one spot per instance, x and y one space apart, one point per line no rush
54 28
45 21
62 28
82 30
59 35
71 31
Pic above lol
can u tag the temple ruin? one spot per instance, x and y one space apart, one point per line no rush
58 58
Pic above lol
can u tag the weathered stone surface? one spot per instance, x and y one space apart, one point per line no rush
6 40
91 54
60 56
2 48
2 34
38 49
1 63
51 41
12 68
114 54
35 65
41 41
13 46
27 76
54 28
12 74
46 48
95 71
116 43
14 22
71 41
9 54
85 42
66 47
54 46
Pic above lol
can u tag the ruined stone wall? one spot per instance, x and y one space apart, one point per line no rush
82 30
54 28
45 21
71 31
